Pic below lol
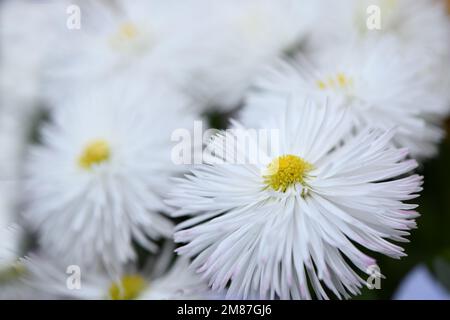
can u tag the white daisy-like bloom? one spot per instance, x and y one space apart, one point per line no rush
147 36
161 279
421 26
95 182
300 216
211 49
11 241
14 134
28 33
238 38
373 81
422 29
12 249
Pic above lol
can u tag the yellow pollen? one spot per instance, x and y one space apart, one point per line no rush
286 171
129 288
340 81
96 152
128 31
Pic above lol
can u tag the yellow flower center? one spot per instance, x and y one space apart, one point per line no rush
340 81
286 171
129 288
125 36
127 31
96 152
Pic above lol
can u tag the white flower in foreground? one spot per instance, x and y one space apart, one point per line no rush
95 183
160 280
374 82
297 219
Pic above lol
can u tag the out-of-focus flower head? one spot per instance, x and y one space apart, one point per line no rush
372 80
162 278
94 183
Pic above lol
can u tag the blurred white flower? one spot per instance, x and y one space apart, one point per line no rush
11 269
210 49
123 39
95 183
14 135
29 31
237 39
11 241
161 279
373 81
296 220
422 26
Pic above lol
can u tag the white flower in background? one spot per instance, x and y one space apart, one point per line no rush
297 219
14 134
144 36
211 50
11 269
237 39
421 26
373 81
28 33
95 183
11 241
161 279
422 29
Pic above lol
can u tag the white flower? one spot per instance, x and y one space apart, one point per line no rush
210 49
28 34
161 279
123 38
11 238
422 26
11 269
94 185
14 134
237 38
374 81
296 219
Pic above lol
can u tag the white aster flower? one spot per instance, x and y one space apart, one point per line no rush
94 184
11 242
161 279
12 249
28 33
374 81
236 39
14 135
211 49
144 36
422 26
298 218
